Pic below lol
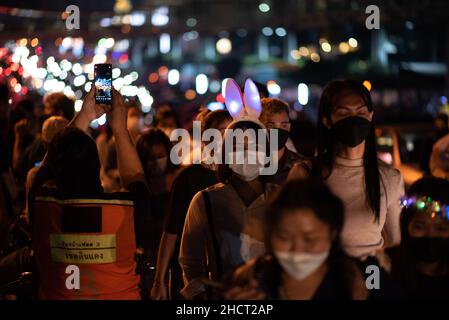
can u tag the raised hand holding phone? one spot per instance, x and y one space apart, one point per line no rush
90 111
118 113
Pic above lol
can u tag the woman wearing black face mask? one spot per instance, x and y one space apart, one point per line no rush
346 158
421 261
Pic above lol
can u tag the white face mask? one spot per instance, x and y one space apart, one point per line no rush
247 164
250 248
300 265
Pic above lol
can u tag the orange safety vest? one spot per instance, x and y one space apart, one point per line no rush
97 236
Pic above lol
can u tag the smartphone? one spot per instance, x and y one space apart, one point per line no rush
103 83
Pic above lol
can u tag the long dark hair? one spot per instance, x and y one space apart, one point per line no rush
73 159
214 119
326 150
310 194
404 266
71 164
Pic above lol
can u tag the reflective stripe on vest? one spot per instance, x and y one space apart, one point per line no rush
95 235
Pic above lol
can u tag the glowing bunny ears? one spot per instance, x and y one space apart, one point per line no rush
246 106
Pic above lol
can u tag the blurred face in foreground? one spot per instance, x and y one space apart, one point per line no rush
301 231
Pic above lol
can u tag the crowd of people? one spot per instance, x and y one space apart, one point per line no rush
138 226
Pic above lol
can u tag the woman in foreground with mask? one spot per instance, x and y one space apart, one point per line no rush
304 259
421 261
347 161
224 223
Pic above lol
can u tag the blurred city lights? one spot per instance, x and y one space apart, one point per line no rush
223 87
315 57
173 77
267 31
190 94
295 54
213 106
264 7
202 83
145 99
281 32
273 88
189 36
78 105
160 17
117 83
304 51
164 43
77 69
344 47
115 73
34 42
303 94
79 81
153 77
224 46
191 22
367 85
353 43
326 47
99 58
214 86
88 86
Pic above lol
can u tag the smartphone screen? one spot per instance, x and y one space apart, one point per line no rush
103 83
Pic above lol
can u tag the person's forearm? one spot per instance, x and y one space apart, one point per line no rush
128 161
16 153
165 253
80 121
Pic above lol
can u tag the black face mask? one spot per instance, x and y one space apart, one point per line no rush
429 249
282 137
351 131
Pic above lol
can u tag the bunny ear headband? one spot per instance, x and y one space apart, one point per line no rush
246 106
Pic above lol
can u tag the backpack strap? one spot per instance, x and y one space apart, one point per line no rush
216 247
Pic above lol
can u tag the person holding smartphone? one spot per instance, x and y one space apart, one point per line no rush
71 170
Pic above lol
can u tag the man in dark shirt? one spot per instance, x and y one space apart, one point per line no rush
275 115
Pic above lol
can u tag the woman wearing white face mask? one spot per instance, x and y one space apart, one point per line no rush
304 259
224 223
153 148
